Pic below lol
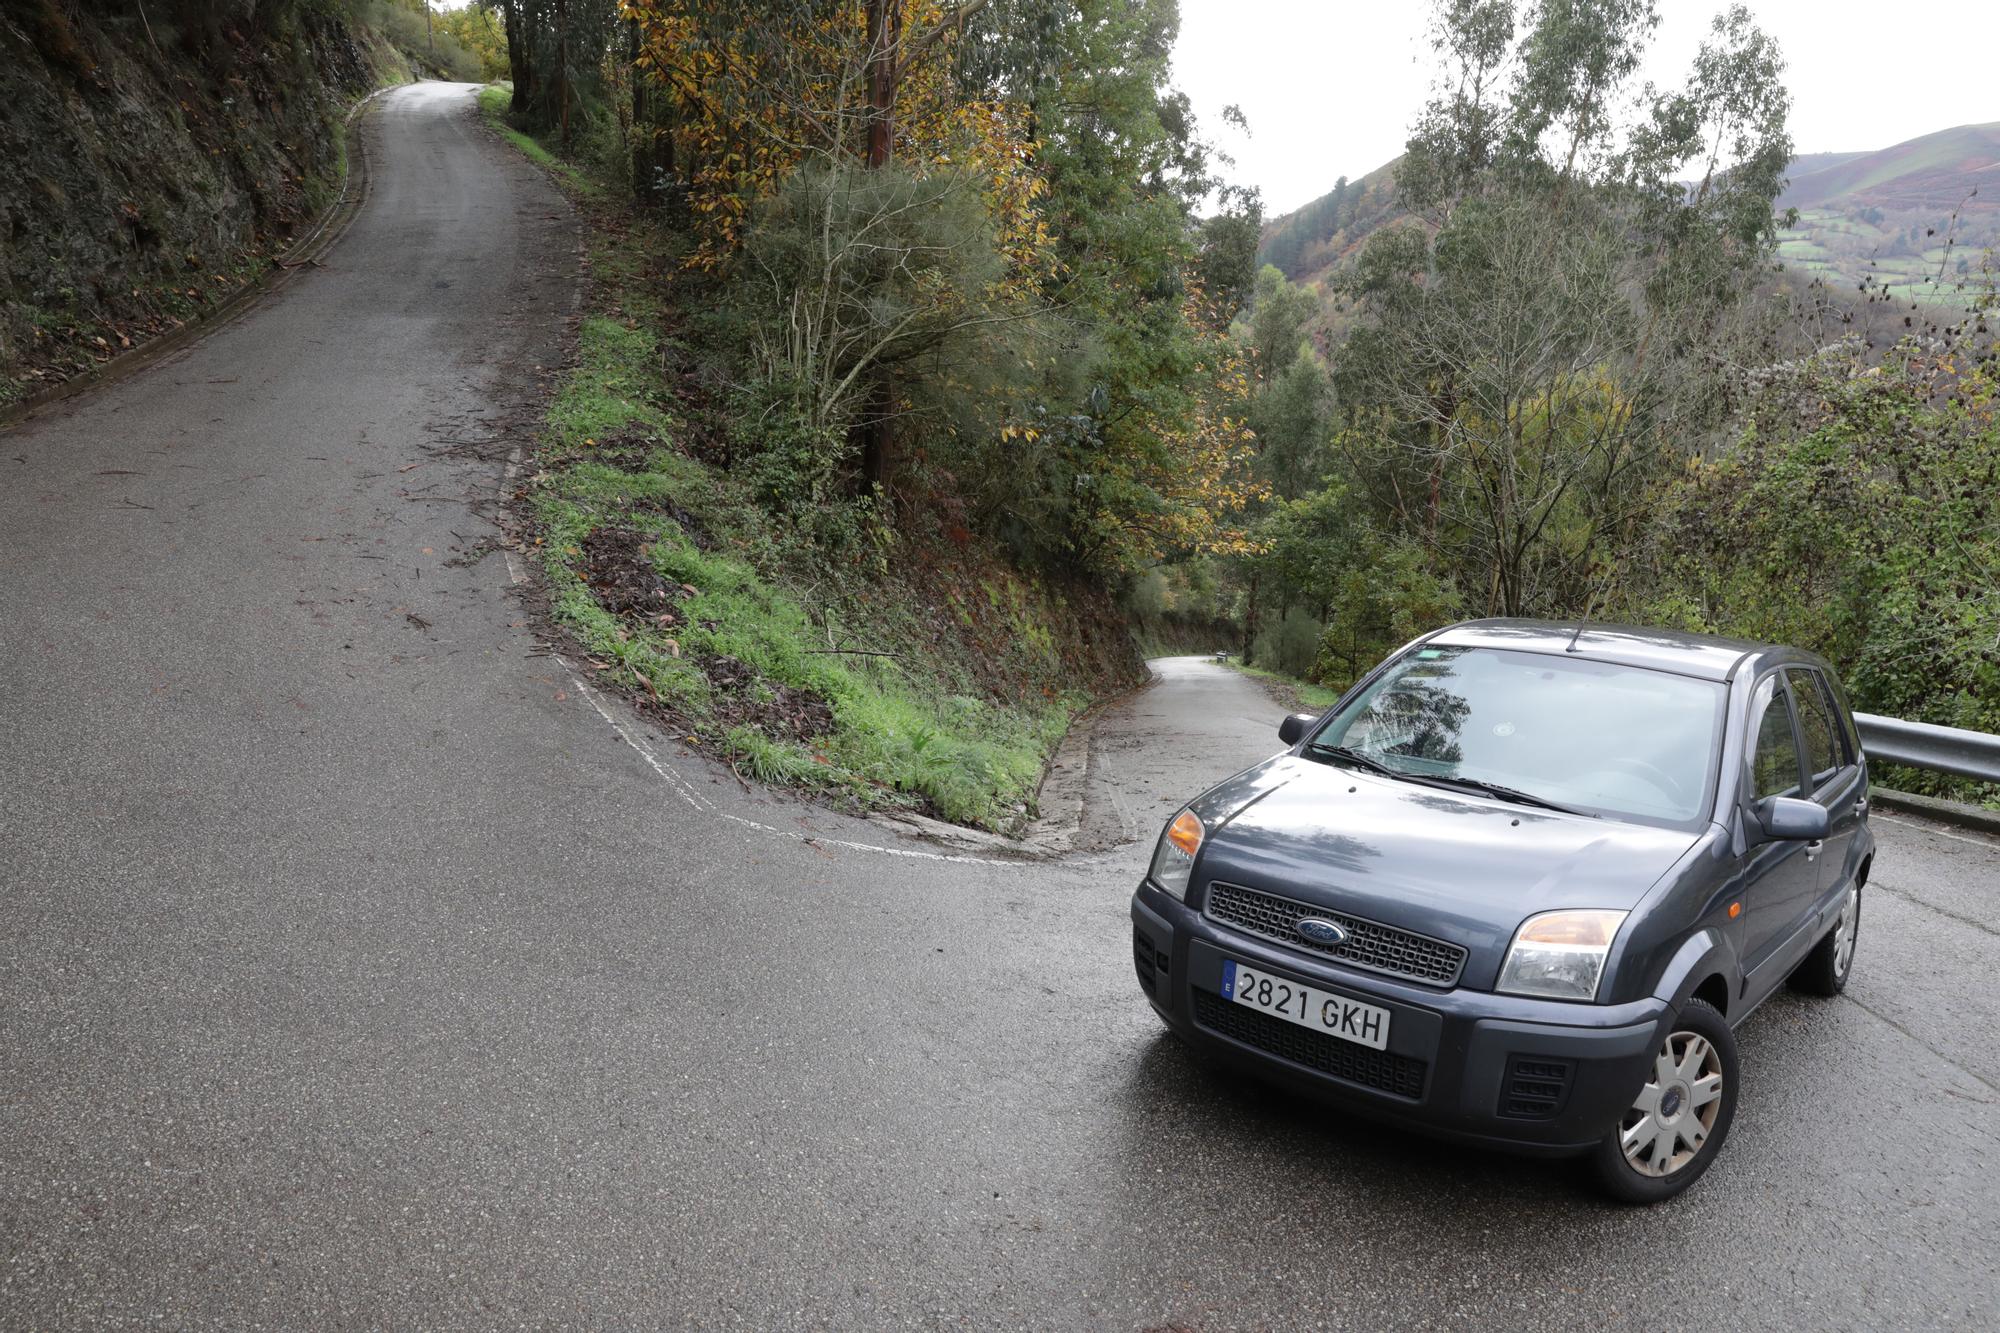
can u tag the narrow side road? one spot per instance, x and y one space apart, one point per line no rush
355 969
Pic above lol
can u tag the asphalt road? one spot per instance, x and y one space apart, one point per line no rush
356 969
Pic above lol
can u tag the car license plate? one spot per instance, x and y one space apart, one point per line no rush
1307 1006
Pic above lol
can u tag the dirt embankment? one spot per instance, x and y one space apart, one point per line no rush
148 170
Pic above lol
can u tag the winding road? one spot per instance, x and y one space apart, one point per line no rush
359 968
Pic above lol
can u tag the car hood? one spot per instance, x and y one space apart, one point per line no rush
1462 868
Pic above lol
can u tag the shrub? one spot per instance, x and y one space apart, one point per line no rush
849 272
1856 517
1290 646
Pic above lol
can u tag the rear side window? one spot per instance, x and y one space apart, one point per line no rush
1824 752
1843 718
1774 764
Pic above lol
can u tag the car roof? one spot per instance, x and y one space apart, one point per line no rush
1707 656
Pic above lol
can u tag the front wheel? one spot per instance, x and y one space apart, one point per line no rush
1676 1125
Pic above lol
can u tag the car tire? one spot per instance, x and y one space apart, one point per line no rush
1825 970
1665 1142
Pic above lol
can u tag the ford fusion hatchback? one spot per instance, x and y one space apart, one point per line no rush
1518 887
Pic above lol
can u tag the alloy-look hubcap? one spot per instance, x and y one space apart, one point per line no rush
1674 1112
1844 932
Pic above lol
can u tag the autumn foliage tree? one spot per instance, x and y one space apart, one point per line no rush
963 242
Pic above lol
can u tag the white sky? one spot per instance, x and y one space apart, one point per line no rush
1331 86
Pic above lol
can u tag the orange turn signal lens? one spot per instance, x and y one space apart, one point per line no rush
1185 832
1589 929
1735 910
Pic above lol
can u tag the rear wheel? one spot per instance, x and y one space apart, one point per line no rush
1824 970
1676 1125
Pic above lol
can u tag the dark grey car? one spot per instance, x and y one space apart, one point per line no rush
1519 885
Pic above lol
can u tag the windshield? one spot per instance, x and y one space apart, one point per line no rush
1587 736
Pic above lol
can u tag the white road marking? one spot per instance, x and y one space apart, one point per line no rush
517 571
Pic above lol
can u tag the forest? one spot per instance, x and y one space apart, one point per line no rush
948 325
979 274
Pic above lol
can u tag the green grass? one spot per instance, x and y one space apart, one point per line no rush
909 729
1316 698
494 101
900 735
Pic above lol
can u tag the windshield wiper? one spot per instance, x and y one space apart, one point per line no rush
1446 780
1498 792
1354 756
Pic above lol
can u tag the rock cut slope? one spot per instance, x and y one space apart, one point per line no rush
147 171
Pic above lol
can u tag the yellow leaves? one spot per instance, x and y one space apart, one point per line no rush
753 106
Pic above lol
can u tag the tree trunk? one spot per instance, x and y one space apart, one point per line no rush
519 66
885 33
642 133
1250 619
562 67
877 452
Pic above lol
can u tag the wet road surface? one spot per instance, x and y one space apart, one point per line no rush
356 968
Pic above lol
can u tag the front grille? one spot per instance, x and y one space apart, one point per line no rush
1396 1074
1370 945
1534 1087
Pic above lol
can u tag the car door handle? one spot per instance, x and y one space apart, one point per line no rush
1814 848
1861 806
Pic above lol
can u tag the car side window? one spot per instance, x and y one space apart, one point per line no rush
1774 764
1843 719
1824 751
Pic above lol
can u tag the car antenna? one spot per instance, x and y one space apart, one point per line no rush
1582 624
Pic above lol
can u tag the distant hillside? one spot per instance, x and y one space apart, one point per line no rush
1310 241
1934 171
1806 163
1884 217
1887 215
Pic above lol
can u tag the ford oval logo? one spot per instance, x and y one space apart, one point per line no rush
1318 930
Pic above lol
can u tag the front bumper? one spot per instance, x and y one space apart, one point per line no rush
1532 1076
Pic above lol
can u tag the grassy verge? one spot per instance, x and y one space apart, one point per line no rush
940 692
494 101
1299 694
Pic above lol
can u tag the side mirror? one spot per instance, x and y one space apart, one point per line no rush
1789 819
1295 726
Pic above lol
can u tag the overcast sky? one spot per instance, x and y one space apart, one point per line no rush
1330 86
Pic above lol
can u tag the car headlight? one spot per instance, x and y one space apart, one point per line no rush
1560 955
1173 860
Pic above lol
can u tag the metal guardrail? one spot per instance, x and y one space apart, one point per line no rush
1971 754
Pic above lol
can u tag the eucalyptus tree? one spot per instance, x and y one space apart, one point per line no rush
1549 329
